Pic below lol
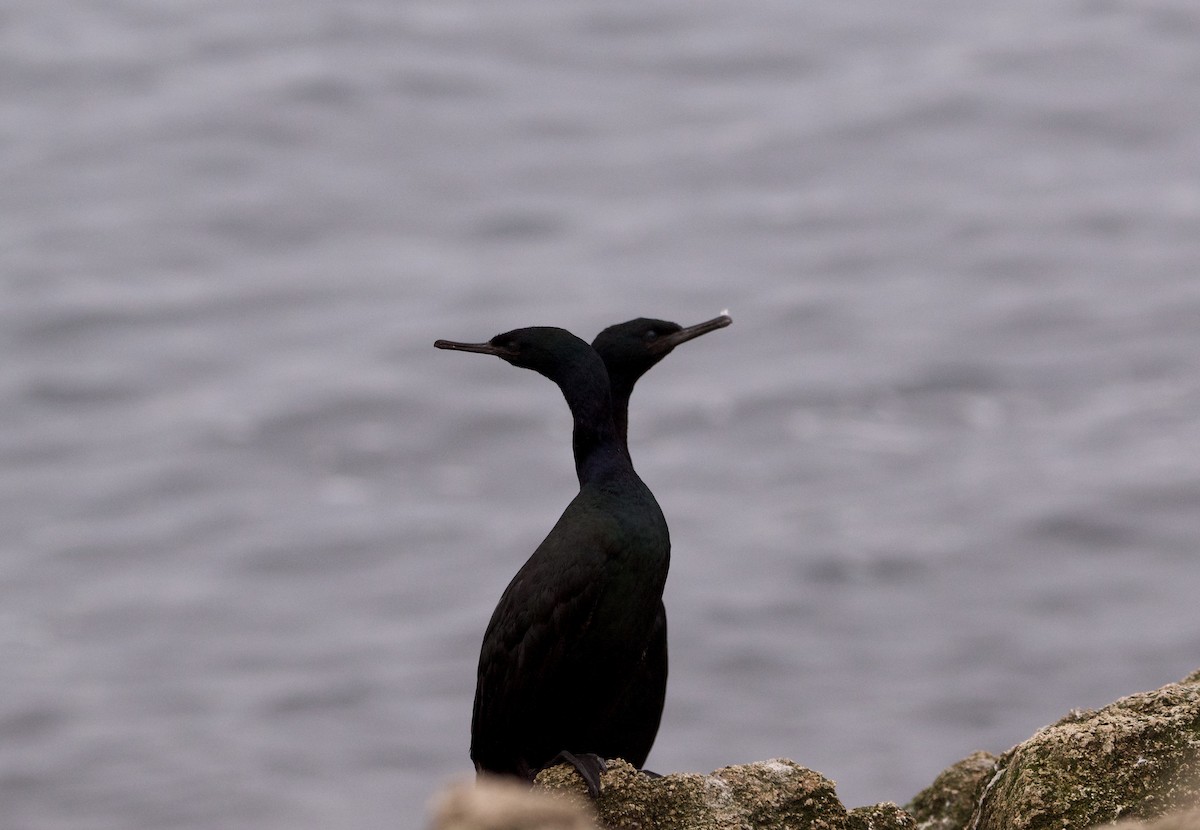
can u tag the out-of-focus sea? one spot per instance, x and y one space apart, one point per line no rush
937 485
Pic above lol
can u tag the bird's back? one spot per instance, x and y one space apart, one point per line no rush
571 631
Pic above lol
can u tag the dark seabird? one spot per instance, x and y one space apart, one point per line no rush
629 350
563 654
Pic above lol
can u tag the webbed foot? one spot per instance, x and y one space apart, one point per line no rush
587 764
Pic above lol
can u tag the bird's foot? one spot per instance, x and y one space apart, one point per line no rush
589 766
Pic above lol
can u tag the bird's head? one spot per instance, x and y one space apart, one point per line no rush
548 350
630 349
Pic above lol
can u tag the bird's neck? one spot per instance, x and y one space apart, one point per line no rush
621 392
598 458
599 451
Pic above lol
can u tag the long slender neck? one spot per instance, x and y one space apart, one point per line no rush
622 389
599 449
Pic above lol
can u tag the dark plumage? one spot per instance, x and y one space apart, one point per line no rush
566 640
629 350
574 662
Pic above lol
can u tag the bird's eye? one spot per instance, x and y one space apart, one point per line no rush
650 336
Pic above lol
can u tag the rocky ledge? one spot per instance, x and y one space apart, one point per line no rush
1136 761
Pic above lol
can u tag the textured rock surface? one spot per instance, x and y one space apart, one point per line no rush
885 816
949 802
1136 758
762 796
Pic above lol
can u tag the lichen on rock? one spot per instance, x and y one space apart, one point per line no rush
1138 757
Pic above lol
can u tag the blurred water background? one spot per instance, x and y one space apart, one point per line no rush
937 485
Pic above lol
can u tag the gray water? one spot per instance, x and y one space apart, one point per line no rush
936 486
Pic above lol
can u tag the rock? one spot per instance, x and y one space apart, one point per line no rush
495 803
949 802
1136 758
1184 820
885 816
762 796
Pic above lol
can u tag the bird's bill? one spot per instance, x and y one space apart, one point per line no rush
691 332
479 348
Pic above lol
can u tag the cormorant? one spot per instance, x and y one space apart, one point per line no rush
566 640
573 663
629 350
